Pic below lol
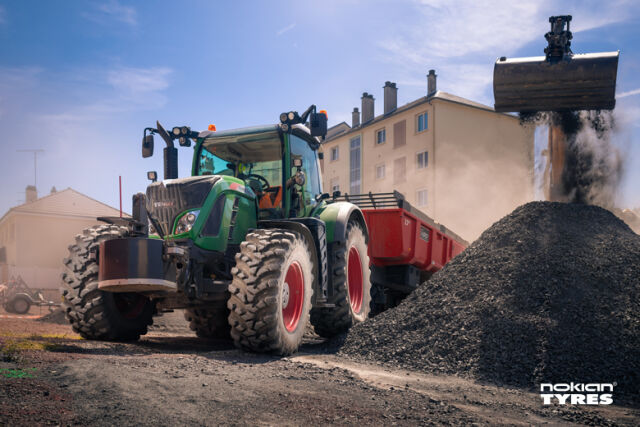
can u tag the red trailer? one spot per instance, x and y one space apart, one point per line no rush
405 245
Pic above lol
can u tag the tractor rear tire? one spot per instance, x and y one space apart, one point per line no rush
19 304
351 286
93 313
271 292
209 322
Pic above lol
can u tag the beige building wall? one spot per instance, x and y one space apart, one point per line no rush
36 235
479 163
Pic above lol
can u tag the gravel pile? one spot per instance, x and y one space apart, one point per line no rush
550 293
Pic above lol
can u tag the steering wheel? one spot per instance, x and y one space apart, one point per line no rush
262 179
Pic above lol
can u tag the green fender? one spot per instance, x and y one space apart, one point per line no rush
336 216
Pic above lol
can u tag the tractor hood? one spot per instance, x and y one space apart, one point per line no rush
168 198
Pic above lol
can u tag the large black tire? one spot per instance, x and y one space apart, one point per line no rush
20 304
267 313
348 309
209 322
95 314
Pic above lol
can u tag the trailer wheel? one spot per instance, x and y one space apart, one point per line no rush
20 304
271 292
352 286
209 322
93 313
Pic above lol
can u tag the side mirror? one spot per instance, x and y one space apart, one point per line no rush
147 146
318 124
152 176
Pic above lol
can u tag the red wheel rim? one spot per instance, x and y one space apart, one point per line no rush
130 305
356 286
292 297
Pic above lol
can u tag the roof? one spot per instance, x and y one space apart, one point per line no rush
239 131
67 202
439 95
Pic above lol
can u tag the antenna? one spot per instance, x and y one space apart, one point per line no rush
35 163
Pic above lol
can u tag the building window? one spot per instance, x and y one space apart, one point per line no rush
422 159
380 171
354 166
399 134
335 153
423 122
335 184
381 136
400 170
421 197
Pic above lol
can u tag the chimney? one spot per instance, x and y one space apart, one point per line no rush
367 108
31 194
53 190
355 118
431 82
390 97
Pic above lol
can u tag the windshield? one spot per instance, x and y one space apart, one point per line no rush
253 157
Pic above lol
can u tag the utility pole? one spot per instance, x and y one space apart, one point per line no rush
35 163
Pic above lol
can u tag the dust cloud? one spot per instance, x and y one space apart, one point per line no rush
485 185
594 164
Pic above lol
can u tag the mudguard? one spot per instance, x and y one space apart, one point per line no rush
337 215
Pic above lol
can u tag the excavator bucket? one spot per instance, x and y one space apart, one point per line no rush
559 81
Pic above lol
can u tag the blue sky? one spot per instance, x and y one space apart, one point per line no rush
81 79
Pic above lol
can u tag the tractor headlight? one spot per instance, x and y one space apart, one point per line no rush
175 131
186 221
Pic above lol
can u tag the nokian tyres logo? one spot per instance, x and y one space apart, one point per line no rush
577 393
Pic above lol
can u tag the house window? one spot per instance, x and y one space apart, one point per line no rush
381 136
335 184
422 159
354 166
380 171
421 197
399 134
335 153
423 122
400 170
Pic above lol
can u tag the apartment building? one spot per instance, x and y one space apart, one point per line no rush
459 161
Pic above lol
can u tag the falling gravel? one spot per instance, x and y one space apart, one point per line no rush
550 293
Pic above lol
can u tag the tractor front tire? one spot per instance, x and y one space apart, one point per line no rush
93 313
351 286
271 292
209 322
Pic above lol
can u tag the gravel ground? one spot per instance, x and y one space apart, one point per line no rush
550 293
171 379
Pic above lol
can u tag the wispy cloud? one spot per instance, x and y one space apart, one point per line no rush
289 27
137 82
3 15
629 93
113 11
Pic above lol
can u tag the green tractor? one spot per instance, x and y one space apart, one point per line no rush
248 245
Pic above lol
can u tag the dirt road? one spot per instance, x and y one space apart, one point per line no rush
49 376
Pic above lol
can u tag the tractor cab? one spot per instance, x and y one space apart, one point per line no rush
280 168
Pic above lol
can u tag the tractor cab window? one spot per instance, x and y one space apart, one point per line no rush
210 164
301 149
256 158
